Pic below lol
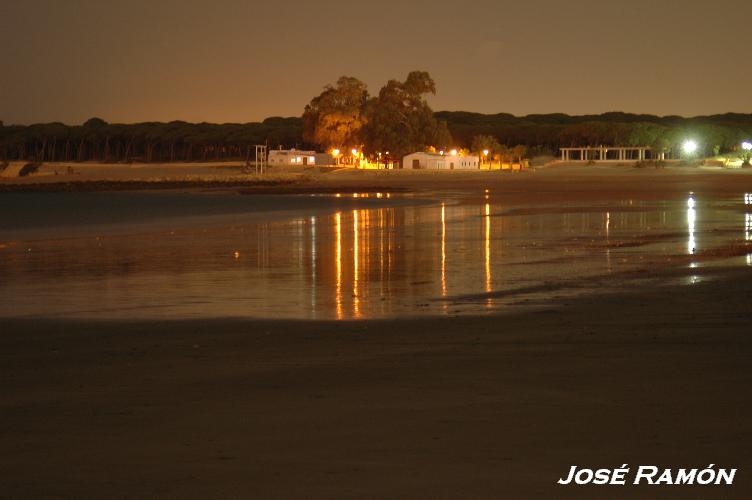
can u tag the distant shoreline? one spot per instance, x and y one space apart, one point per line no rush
552 182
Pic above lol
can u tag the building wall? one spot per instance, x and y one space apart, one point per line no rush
291 157
431 161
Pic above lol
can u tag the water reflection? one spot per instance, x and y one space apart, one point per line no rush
487 242
748 224
356 299
443 251
354 263
312 251
691 219
338 262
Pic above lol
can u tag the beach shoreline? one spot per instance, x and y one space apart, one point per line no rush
606 179
405 408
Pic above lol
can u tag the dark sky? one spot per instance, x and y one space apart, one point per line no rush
239 61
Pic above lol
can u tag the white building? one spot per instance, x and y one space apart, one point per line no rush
438 161
295 157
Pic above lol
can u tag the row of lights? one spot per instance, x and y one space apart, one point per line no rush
689 147
336 152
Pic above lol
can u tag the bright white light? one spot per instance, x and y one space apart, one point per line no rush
453 152
355 152
691 219
485 152
689 147
747 146
335 152
441 152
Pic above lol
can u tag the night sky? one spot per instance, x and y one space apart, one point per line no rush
240 61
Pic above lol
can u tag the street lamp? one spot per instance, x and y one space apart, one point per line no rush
746 156
453 152
485 154
689 147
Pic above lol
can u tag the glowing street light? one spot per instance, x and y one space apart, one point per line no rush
453 152
335 152
746 156
485 152
689 147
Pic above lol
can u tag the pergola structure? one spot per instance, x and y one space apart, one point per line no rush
610 153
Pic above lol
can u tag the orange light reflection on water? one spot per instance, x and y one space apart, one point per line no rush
338 263
356 268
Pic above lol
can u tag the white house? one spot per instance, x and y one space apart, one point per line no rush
295 157
438 161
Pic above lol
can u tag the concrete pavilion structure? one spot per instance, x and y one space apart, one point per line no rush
437 161
610 153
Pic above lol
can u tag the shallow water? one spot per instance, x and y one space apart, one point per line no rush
349 256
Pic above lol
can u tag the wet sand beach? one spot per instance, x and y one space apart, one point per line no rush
492 407
462 368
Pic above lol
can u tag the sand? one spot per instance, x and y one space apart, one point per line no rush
473 407
542 184
494 407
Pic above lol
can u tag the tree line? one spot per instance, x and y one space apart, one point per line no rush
397 120
177 141
545 134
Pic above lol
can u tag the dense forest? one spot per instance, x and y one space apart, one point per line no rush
97 140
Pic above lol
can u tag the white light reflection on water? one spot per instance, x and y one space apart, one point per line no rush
691 219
